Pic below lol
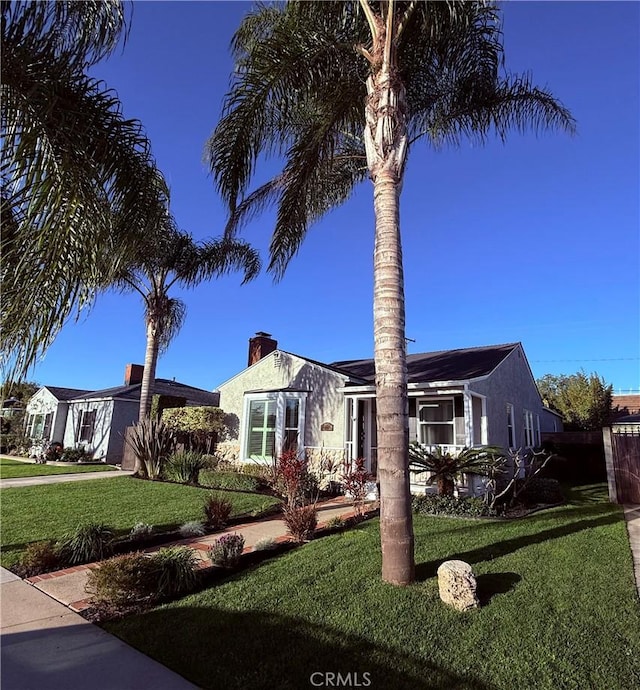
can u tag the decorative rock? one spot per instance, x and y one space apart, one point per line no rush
457 585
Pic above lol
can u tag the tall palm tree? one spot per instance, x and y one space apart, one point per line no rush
345 90
75 173
169 258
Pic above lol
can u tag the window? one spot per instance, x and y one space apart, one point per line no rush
511 431
87 423
39 426
529 434
436 422
274 422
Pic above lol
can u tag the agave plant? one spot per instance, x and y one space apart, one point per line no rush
152 443
446 466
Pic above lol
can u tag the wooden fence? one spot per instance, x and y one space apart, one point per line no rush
622 453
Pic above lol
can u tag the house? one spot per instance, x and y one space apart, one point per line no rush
466 397
96 420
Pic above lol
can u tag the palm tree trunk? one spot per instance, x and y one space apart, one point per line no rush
386 142
149 373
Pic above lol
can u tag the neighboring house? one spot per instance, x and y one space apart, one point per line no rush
467 397
46 413
96 420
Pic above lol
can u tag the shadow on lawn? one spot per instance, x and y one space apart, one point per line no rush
495 583
427 570
250 650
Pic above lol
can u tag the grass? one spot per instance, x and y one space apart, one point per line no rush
39 512
13 469
560 611
229 480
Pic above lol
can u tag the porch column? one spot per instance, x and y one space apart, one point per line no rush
468 419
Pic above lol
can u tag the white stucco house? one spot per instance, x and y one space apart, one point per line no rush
457 398
96 420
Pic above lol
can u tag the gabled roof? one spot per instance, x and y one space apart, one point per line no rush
194 396
65 393
444 365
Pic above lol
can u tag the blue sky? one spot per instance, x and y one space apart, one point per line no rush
534 241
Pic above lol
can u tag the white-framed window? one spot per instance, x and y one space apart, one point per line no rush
511 426
436 426
39 426
273 422
86 425
529 429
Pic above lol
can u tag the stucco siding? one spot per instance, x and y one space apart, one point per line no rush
280 370
510 382
100 441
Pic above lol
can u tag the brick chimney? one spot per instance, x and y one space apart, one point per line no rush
260 346
133 374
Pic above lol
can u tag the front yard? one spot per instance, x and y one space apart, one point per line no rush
48 511
560 611
14 469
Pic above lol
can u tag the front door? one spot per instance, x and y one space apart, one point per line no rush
366 436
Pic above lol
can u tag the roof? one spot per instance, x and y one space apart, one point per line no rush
194 396
65 393
444 365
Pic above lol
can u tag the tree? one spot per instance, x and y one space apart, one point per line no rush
446 467
342 91
172 257
583 401
76 174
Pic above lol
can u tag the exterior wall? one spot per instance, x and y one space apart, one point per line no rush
511 382
125 413
280 370
43 402
99 444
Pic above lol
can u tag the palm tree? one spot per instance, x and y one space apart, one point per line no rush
169 258
342 91
445 467
75 173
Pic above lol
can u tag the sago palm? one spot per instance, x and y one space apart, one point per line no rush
169 258
75 173
342 91
446 466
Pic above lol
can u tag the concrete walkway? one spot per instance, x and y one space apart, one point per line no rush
59 478
46 644
632 516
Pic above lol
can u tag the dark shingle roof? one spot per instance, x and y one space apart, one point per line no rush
446 365
66 393
194 396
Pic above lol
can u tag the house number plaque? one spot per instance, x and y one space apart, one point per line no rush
327 426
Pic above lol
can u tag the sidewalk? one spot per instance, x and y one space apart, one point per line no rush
46 644
59 478
632 516
68 586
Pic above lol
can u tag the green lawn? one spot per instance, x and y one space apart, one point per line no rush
560 611
48 511
10 469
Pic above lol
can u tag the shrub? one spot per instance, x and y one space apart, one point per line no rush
185 467
355 484
192 529
300 521
217 511
88 543
336 522
140 530
152 443
227 550
431 504
265 544
541 490
124 580
54 452
76 455
231 480
138 578
177 570
40 557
